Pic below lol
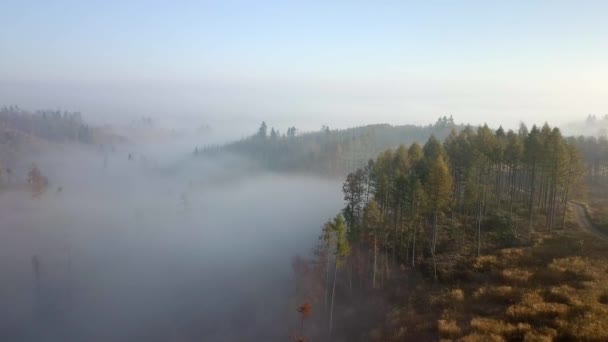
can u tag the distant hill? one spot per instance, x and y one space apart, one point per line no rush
331 152
49 125
23 132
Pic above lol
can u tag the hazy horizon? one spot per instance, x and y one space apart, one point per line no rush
339 64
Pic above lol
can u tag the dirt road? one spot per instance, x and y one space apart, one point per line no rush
583 220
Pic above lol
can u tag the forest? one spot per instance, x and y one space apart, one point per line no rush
456 232
327 152
52 125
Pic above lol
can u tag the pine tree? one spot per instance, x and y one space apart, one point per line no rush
340 254
373 221
263 130
438 188
273 134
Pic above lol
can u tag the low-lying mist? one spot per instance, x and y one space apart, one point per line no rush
155 248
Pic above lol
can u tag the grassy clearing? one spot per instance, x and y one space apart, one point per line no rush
556 288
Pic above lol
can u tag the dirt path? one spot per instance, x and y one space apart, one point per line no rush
583 220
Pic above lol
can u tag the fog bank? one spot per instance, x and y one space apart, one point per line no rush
148 249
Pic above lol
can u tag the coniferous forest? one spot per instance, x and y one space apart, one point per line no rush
477 237
326 152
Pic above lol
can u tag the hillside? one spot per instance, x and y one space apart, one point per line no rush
329 152
24 133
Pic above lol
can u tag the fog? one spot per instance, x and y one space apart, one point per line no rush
163 247
239 104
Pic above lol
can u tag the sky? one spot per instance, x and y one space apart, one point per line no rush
308 63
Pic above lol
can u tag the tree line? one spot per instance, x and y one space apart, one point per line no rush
594 151
52 125
420 206
327 151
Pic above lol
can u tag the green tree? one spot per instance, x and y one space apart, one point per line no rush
417 201
341 252
328 239
354 191
438 188
514 151
372 220
575 171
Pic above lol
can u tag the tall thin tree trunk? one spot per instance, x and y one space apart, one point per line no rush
327 280
333 295
386 265
511 199
350 278
375 263
479 205
531 204
567 190
434 244
414 247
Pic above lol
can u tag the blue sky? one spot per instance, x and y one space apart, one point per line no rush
317 62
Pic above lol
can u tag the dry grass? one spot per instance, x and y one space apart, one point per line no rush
540 335
448 328
516 275
532 308
554 289
457 295
574 268
485 263
477 337
501 293
501 328
563 294
447 299
512 253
